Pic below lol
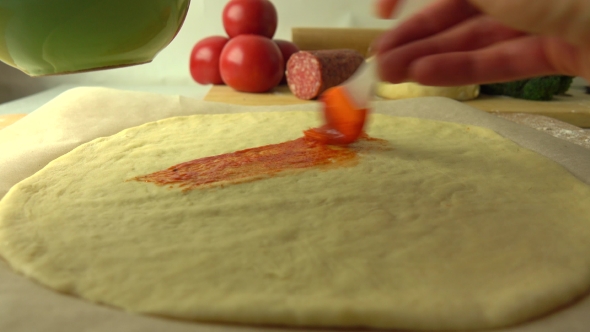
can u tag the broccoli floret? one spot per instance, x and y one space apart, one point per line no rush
539 88
512 89
566 82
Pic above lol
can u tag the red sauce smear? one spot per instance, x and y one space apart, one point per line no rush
344 120
344 125
252 164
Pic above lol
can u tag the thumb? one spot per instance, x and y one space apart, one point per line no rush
567 19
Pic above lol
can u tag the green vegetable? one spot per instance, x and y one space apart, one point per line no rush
538 88
566 82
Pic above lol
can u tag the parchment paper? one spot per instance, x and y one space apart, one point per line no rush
82 114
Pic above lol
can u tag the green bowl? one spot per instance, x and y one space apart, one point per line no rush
46 37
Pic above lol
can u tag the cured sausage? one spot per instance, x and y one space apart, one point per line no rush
309 73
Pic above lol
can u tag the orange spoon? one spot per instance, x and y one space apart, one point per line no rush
345 108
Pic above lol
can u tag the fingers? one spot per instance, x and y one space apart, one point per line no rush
451 42
386 8
433 19
569 19
519 58
476 33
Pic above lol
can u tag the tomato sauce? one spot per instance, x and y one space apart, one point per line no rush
344 125
252 164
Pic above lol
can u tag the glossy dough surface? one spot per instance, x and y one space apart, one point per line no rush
448 227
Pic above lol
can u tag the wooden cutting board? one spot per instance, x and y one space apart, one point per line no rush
280 95
573 109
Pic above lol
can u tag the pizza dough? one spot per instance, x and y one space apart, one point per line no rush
414 90
451 227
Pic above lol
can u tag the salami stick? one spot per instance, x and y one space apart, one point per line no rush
309 73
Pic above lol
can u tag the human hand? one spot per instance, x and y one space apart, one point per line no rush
456 42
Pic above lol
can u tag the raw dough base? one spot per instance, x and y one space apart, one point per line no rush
454 227
414 90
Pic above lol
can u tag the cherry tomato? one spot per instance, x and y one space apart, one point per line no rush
287 49
251 63
257 17
204 61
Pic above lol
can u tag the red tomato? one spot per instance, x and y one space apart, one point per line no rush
244 17
251 63
287 49
204 61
